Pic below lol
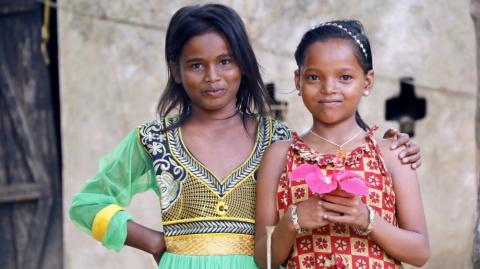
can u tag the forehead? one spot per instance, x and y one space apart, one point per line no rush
209 44
335 51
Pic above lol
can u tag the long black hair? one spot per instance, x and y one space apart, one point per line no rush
191 21
351 30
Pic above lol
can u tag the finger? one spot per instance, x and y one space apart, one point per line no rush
404 153
417 164
410 160
338 208
411 148
331 213
337 200
409 155
402 140
341 193
318 216
327 215
339 219
391 133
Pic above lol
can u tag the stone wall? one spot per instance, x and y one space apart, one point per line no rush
113 71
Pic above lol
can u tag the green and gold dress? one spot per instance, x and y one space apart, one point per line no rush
208 222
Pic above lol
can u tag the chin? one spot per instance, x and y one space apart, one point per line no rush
333 118
215 106
328 120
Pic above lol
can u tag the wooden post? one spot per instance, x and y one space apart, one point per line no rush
475 13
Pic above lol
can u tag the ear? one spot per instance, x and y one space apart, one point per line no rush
297 80
175 70
369 78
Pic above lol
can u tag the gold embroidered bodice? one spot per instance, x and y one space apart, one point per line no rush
201 214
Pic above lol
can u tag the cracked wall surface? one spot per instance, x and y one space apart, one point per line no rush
112 73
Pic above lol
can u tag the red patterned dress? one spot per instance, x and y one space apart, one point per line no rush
337 245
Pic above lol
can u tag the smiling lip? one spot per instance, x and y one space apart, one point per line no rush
214 92
330 103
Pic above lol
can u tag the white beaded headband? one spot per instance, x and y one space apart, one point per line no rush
348 32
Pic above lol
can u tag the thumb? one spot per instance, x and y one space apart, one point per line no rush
391 133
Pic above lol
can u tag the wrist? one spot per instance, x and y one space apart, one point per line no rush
157 244
286 221
366 221
293 223
367 229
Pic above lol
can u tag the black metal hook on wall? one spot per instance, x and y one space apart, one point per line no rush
406 108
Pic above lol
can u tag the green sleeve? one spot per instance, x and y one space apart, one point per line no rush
125 171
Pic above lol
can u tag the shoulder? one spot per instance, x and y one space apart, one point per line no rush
390 157
279 148
384 145
158 125
275 155
279 130
153 132
149 125
273 163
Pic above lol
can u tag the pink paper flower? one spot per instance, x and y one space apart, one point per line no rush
318 183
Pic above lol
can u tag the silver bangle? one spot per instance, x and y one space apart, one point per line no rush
294 217
371 218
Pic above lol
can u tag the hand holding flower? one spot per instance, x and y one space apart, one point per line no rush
340 191
318 183
351 209
311 213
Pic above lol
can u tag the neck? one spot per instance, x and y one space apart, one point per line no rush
220 116
337 132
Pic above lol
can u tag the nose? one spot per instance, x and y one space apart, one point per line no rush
211 74
328 87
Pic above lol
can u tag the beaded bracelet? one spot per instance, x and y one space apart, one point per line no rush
371 218
294 217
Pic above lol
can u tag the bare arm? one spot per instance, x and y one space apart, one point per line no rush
411 233
271 168
146 239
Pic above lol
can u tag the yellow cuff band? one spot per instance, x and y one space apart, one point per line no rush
102 219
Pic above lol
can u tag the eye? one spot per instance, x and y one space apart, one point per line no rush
345 77
225 61
196 66
313 77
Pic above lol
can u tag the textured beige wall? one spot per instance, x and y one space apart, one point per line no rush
112 73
